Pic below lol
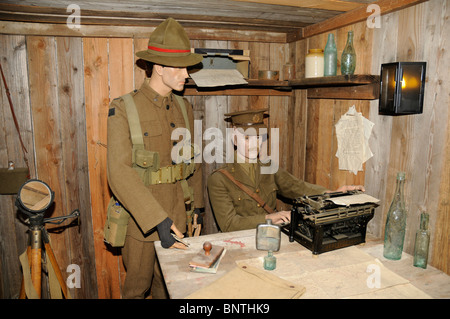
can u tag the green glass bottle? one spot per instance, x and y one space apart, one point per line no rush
422 242
270 261
394 233
348 58
330 57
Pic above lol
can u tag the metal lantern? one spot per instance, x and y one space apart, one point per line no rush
402 88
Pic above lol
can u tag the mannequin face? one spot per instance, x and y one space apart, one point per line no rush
167 79
248 146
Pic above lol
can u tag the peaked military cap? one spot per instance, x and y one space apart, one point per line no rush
169 45
248 119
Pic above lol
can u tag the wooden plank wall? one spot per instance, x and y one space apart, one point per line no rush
46 80
97 95
321 164
416 144
13 238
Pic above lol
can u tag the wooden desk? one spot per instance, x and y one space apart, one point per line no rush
295 263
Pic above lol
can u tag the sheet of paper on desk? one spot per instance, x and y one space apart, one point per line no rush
352 133
353 199
343 273
245 281
217 77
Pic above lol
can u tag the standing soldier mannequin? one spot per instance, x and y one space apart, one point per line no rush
165 199
235 209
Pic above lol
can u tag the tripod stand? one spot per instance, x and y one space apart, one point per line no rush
33 200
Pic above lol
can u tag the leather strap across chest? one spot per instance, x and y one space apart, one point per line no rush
258 199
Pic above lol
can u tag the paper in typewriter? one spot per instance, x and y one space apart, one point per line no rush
353 132
353 199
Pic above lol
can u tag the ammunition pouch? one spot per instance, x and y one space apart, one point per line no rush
147 160
145 163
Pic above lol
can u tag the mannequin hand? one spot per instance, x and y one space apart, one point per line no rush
179 235
176 231
198 218
167 240
279 217
178 245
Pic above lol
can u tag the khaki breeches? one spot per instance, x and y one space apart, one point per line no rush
142 271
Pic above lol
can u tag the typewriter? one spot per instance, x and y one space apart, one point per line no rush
330 221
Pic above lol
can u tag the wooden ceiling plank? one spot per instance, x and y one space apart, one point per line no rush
199 20
356 15
272 23
231 26
8 27
275 14
334 5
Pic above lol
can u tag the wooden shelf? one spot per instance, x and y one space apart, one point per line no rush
251 83
272 83
355 87
337 80
348 87
254 87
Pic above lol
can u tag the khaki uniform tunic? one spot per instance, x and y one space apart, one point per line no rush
148 205
235 210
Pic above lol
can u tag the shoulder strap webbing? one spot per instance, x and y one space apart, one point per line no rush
187 191
134 124
183 111
247 191
133 120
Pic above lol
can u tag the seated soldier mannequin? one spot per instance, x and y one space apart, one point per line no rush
233 208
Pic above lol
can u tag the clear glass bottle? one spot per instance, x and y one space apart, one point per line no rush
330 57
422 242
394 233
348 58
